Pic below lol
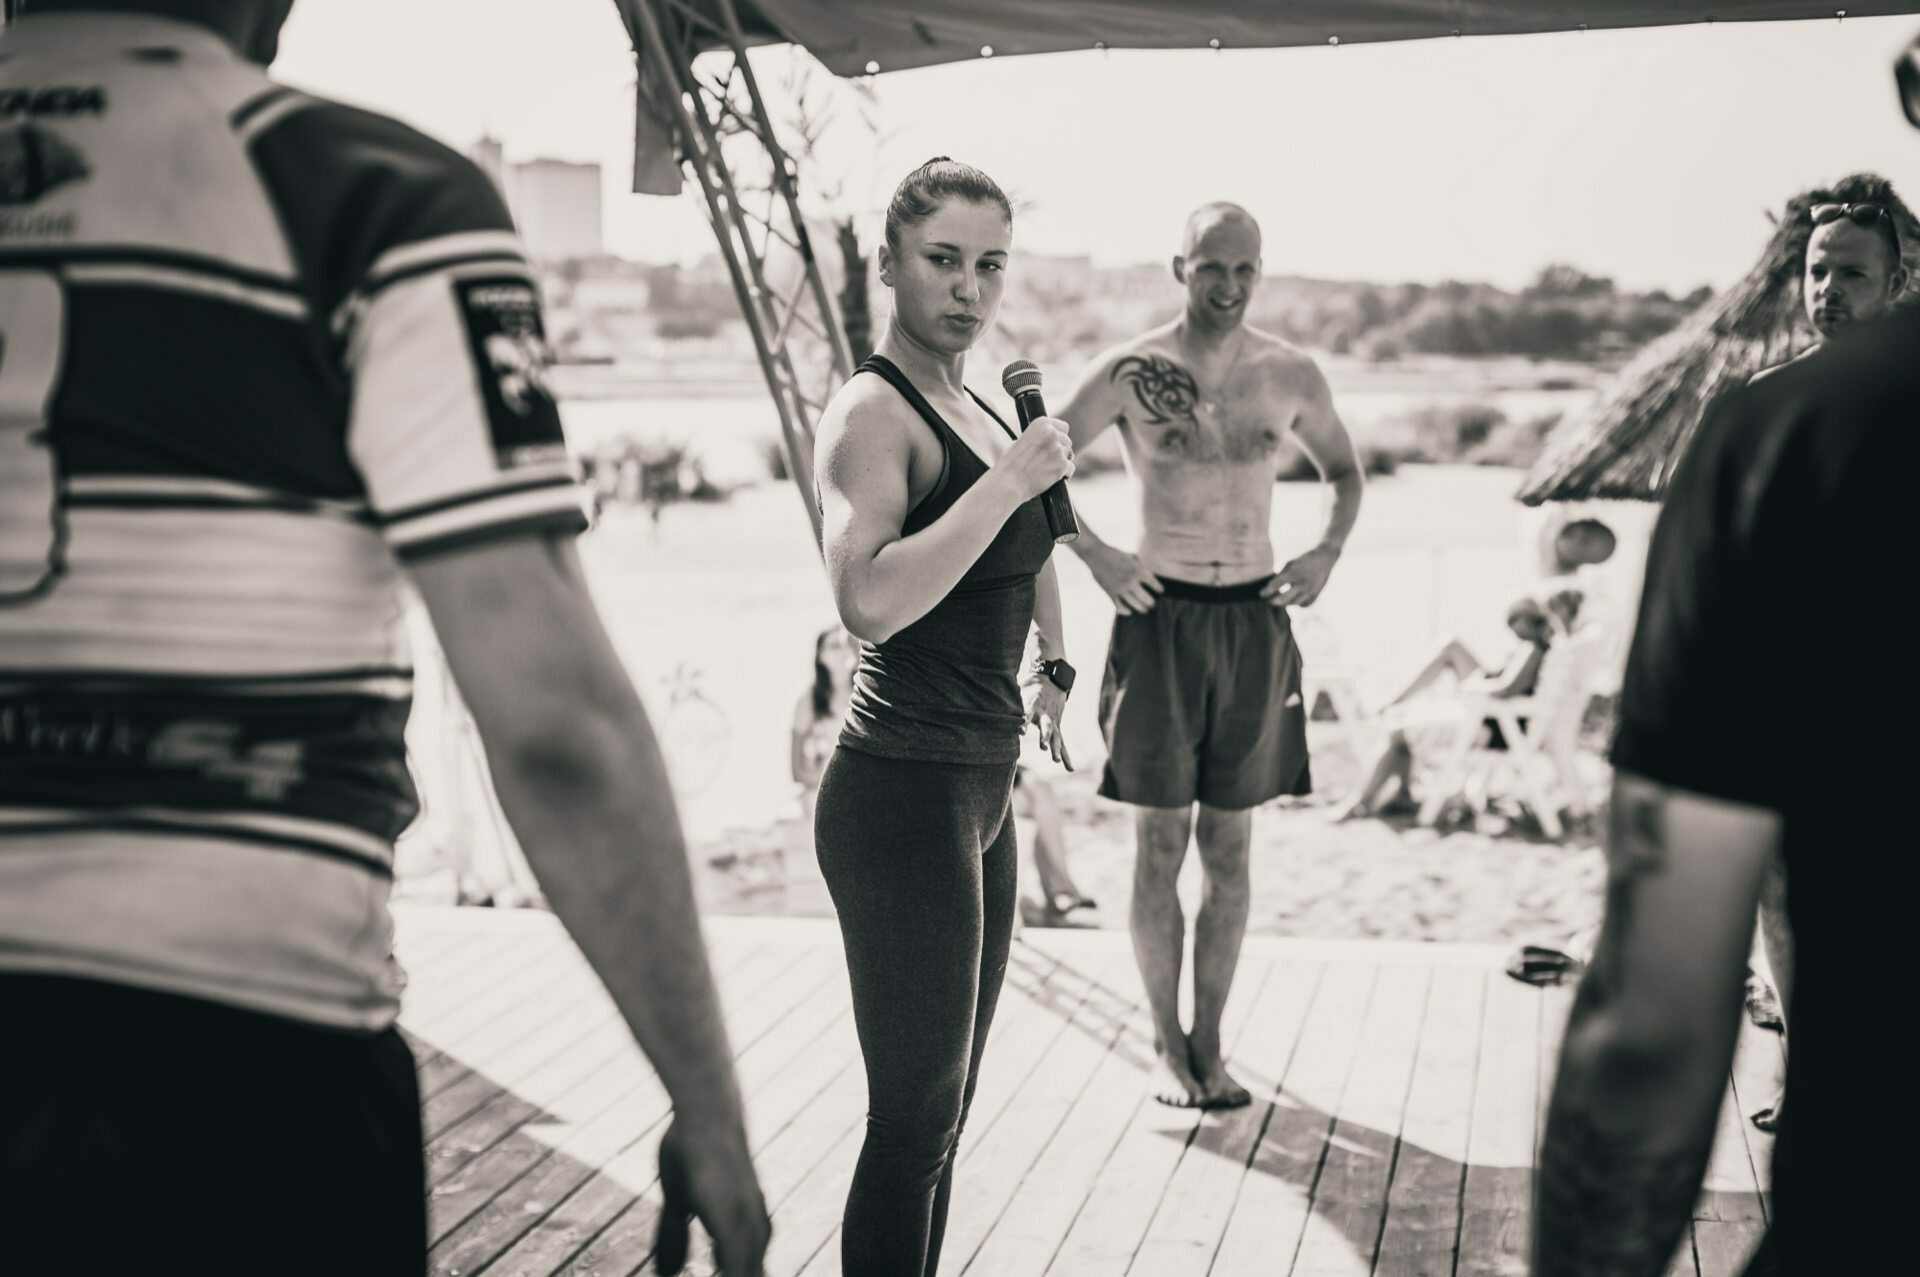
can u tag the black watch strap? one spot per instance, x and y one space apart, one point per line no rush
1059 673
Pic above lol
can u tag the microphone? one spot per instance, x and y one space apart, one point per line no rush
1021 379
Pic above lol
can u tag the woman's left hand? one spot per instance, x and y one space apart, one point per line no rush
1046 706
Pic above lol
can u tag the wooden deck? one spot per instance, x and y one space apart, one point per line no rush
1399 1095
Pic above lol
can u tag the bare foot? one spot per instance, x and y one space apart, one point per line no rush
1173 1081
1218 1090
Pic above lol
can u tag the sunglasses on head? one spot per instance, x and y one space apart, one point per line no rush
1867 215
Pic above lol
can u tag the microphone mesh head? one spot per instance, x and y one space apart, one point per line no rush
1020 375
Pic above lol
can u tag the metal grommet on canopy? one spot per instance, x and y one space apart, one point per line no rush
986 50
1333 39
873 68
1214 44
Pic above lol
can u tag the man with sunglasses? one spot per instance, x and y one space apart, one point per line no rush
1787 508
1853 271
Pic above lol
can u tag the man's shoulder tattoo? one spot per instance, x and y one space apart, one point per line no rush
1163 388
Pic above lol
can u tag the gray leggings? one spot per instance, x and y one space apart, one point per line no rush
921 862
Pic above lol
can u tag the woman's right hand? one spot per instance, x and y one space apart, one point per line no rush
1038 459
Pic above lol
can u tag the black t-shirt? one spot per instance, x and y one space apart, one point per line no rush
1772 666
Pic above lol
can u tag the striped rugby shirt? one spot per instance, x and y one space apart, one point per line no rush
256 351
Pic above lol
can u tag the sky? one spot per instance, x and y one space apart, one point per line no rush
1648 156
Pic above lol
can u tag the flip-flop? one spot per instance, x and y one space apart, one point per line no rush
1065 902
1543 967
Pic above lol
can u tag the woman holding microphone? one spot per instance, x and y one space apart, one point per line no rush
938 550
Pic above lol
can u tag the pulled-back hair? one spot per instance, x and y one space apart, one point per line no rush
922 192
1896 229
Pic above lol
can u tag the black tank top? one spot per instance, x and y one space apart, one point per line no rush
945 688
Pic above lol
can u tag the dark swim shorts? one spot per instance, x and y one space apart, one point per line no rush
1202 702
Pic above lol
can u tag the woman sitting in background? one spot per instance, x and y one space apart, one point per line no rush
821 709
1517 677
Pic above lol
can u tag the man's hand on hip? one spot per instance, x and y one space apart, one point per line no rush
1132 588
1299 583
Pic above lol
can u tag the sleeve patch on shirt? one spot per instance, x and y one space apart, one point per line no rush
510 351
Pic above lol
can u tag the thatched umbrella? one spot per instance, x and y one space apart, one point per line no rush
1627 445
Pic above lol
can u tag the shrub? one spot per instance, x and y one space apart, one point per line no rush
1514 443
650 473
774 453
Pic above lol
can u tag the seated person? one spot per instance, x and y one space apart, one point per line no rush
818 713
1517 677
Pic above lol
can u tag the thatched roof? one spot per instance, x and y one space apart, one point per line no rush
1627 445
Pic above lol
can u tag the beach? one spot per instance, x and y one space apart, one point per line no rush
714 610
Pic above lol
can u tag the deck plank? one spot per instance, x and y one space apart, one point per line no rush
1422 1226
1270 1216
1724 1246
1759 1066
1113 1221
1057 991
1029 1232
475 1217
993 1167
780 1075
807 1236
1192 1218
1350 1193
567 1078
1399 1099
1496 1206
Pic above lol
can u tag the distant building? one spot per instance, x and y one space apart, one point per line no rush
557 207
555 204
492 159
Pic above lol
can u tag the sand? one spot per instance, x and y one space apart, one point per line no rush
731 595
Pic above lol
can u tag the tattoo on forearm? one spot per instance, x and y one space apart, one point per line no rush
1166 390
1637 829
1606 1208
1636 848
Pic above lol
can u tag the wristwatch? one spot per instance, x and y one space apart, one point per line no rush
1057 672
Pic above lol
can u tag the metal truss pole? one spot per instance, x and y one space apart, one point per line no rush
707 113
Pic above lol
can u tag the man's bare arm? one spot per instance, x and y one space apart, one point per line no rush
584 785
1323 437
1094 405
1644 1068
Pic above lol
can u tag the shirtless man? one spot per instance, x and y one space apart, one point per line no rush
1202 702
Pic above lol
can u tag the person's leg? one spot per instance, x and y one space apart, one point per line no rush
1057 888
903 863
1452 658
1224 838
1395 764
1159 936
1777 935
998 886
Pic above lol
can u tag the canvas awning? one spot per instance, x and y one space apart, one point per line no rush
854 37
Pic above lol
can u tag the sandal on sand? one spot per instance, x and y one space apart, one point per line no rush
1065 902
1543 967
